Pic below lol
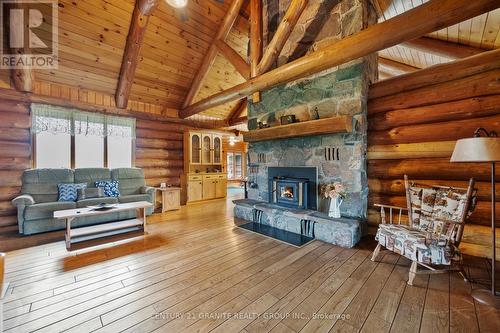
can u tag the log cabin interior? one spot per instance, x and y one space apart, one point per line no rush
249 166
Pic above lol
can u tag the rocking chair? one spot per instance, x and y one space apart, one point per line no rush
436 219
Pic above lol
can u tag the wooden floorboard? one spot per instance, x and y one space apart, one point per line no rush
194 271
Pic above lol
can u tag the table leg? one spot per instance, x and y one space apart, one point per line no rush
141 215
68 233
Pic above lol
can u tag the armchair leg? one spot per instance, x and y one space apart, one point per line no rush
413 273
376 252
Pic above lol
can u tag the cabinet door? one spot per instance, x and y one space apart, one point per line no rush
220 188
195 190
171 200
217 146
206 153
208 189
195 149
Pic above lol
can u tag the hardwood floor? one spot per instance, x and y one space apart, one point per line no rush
196 272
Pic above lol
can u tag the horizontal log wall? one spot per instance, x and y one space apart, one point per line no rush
413 126
159 151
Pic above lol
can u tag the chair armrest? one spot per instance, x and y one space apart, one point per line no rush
389 206
392 210
147 190
23 200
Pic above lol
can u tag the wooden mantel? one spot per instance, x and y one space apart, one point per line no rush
339 124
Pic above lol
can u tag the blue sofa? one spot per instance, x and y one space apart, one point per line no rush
36 205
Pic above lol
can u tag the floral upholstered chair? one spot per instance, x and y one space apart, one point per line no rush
436 218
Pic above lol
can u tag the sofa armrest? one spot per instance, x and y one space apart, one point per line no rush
147 190
23 200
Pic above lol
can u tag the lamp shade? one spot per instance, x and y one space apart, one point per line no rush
479 149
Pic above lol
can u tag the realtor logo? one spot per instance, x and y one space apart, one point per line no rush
29 34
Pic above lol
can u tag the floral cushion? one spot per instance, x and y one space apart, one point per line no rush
413 244
110 187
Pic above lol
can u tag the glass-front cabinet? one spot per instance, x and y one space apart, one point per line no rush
217 149
206 155
195 149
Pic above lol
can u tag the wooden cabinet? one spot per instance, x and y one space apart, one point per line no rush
217 149
206 149
220 188
170 198
195 189
195 148
209 188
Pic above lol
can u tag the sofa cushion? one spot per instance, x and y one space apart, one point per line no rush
68 192
110 187
95 201
46 210
41 184
131 180
133 198
91 175
90 193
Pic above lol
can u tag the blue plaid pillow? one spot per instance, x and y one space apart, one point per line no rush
68 192
110 187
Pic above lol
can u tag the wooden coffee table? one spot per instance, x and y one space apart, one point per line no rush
104 229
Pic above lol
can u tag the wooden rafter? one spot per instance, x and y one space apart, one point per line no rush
222 33
137 29
281 35
238 121
235 115
234 58
395 68
442 48
255 35
428 17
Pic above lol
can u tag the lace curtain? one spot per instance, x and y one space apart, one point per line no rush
54 119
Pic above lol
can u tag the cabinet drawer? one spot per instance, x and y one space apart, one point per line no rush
221 176
195 177
209 177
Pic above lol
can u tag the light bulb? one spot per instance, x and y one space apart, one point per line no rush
177 3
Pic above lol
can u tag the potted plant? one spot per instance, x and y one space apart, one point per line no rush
337 193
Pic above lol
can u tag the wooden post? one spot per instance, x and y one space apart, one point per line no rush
255 40
281 35
137 29
431 16
225 27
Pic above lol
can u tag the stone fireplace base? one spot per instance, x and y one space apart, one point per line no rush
344 232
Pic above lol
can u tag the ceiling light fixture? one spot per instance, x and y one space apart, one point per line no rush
177 3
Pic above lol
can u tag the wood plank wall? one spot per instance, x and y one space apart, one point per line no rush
413 125
159 151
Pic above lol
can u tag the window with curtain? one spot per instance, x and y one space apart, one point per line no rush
68 138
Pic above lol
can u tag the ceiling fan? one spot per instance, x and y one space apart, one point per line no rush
180 7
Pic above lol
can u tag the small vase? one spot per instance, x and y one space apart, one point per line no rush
335 207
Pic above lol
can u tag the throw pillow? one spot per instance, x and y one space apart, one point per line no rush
90 193
110 187
68 192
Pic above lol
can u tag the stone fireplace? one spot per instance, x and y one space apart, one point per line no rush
339 91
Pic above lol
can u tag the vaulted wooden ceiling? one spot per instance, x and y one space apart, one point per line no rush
92 37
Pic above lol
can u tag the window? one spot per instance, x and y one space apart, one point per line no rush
235 165
69 138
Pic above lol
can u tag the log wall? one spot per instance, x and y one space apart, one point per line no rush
159 151
413 125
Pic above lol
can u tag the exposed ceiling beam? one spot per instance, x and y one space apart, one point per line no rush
234 58
222 32
395 68
136 31
442 48
238 121
238 110
22 78
281 35
255 35
430 16
235 109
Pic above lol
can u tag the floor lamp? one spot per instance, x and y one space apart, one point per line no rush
483 147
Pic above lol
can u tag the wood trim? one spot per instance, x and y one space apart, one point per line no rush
339 124
137 30
281 35
234 58
428 17
224 28
442 48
